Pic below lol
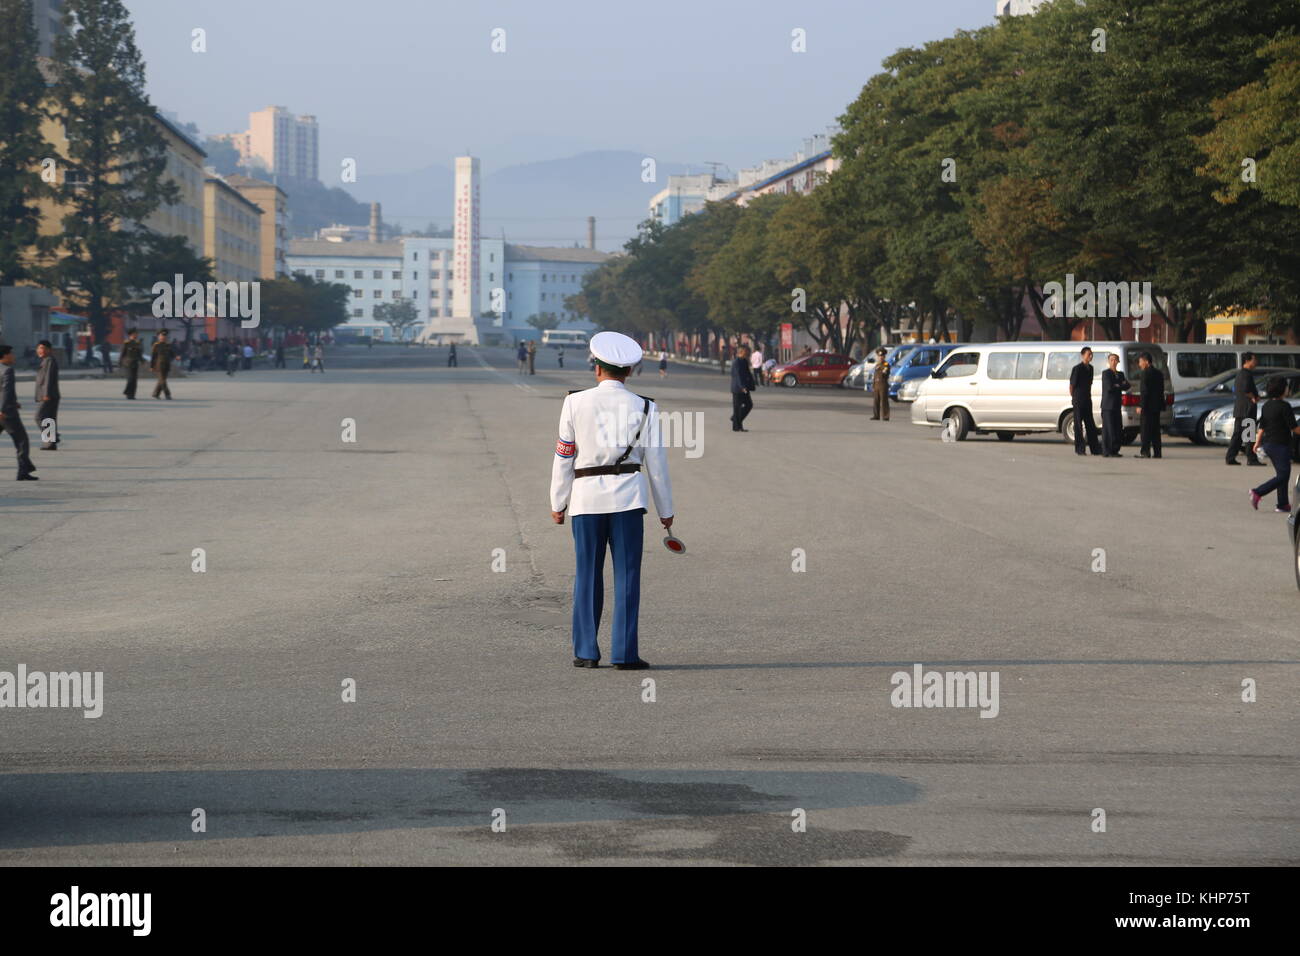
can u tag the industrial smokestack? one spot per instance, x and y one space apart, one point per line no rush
376 222
591 232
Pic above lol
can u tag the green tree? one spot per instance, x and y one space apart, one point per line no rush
304 302
117 157
22 148
399 316
159 258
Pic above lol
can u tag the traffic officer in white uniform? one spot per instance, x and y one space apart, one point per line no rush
609 464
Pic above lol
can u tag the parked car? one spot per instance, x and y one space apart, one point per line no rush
860 374
917 363
1220 423
1017 388
816 368
1191 409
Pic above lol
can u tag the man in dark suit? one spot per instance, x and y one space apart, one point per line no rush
1153 403
1245 397
161 362
47 396
1081 401
1113 387
742 383
10 418
130 359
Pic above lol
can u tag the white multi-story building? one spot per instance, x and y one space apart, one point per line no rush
539 279
48 15
1018 8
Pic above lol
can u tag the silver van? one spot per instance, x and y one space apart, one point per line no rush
1193 365
1018 388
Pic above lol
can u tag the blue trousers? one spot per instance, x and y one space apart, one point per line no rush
1280 456
623 533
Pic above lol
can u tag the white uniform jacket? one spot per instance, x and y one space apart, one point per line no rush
596 426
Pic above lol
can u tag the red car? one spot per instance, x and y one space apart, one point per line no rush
818 368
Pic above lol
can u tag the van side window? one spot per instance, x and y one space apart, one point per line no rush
1060 363
963 363
1002 365
1029 365
1206 364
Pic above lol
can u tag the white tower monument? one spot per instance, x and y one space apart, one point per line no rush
465 295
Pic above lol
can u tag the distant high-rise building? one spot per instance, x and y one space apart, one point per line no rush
1018 8
48 15
279 144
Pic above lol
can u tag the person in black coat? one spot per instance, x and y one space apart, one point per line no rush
1245 397
10 420
1153 403
1081 401
1113 387
742 383
47 394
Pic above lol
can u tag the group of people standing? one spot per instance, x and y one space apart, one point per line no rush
1114 383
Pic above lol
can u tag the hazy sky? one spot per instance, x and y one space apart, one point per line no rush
402 84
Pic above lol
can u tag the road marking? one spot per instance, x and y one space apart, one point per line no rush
498 373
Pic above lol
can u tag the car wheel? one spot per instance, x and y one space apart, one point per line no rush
1006 436
1205 432
1129 435
1067 427
789 381
956 425
1198 431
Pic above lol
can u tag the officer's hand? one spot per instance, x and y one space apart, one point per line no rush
667 522
557 517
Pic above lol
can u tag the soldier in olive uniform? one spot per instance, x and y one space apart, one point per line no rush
880 386
161 363
132 356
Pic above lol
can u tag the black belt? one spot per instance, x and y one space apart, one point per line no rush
605 470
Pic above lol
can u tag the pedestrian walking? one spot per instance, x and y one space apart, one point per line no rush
279 355
47 396
532 357
318 358
11 418
451 357
1277 423
606 483
663 364
1245 398
306 357
756 365
248 357
521 355
560 358
232 359
1152 396
130 359
880 386
160 360
105 358
1085 426
742 383
1113 386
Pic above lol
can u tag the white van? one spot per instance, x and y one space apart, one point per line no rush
1191 366
1017 388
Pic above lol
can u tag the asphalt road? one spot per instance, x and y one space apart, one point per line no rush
372 561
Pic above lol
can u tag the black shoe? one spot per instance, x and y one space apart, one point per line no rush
742 429
1255 463
49 448
636 665
1232 461
584 662
875 418
1081 453
28 478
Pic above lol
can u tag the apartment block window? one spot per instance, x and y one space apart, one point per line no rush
397 275
358 313
434 294
543 276
435 274
356 274
356 293
378 274
379 293
415 294
543 296
450 275
510 277
492 257
492 277
414 275
415 257
320 273
338 273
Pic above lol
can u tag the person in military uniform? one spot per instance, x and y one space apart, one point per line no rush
47 394
880 386
132 356
609 464
10 419
161 362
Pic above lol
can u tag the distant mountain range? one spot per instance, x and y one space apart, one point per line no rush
545 203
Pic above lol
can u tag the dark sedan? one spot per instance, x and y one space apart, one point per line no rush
1191 408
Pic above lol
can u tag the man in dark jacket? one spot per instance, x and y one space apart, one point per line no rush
47 396
1081 401
1153 403
1245 397
130 359
742 383
1113 387
161 362
10 419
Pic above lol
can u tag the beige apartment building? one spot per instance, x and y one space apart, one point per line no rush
274 204
232 232
280 144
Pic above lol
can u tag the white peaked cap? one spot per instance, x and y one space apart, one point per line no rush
615 348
